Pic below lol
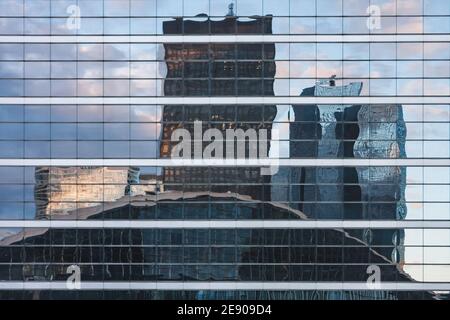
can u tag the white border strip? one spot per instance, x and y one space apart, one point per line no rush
226 162
228 100
227 224
226 285
225 38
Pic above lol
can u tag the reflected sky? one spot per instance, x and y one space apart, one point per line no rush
329 15
220 7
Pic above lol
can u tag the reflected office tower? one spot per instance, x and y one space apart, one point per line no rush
318 132
60 191
350 131
217 69
384 196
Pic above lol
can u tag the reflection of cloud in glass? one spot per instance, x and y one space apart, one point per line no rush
116 69
410 87
302 25
143 87
90 51
325 69
64 88
90 88
437 87
329 25
37 26
116 51
402 7
116 7
143 51
144 113
329 7
90 69
436 113
11 26
409 50
11 69
90 7
11 7
409 24
409 7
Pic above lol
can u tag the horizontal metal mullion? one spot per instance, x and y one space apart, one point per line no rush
216 100
263 162
225 285
238 38
226 224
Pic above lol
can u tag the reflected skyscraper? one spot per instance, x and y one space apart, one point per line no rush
228 69
174 254
348 131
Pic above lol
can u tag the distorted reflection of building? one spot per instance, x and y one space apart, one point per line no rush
194 254
61 190
347 131
319 131
219 69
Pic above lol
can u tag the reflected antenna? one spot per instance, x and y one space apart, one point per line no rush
230 9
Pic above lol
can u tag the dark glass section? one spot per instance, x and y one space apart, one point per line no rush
213 254
217 295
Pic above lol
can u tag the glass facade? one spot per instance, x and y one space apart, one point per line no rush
353 99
